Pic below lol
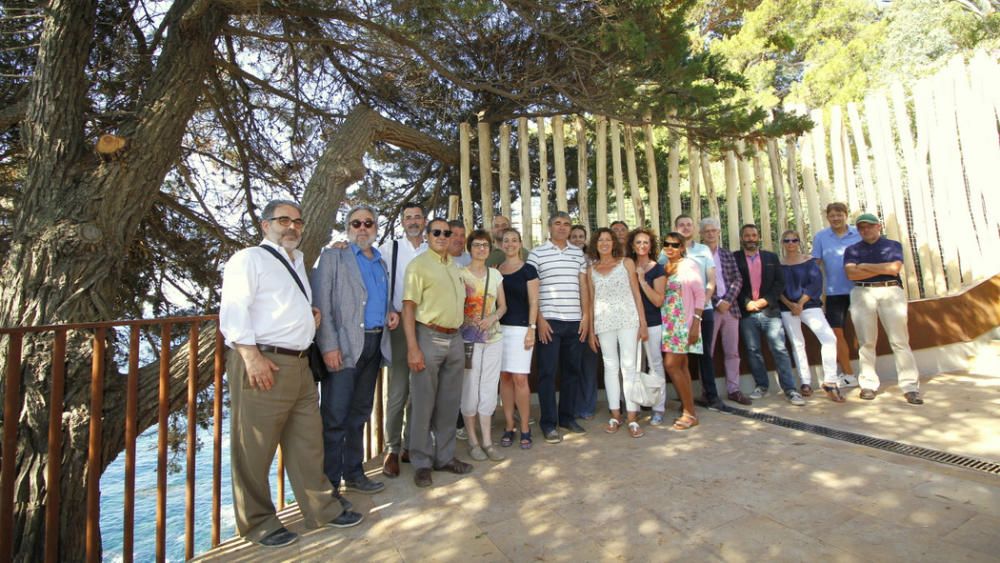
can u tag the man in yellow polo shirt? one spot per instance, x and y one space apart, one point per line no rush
433 301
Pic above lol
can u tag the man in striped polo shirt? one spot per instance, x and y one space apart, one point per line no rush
563 323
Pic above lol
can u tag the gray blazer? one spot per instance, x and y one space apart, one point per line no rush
340 295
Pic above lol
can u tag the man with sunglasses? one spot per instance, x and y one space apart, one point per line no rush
433 311
351 289
398 254
268 323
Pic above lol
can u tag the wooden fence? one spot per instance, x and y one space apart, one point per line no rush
924 157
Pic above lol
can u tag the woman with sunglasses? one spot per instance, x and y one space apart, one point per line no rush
484 305
618 322
800 303
652 279
683 302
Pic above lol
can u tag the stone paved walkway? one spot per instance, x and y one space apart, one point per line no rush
731 489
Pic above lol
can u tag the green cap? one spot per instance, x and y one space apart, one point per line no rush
866 218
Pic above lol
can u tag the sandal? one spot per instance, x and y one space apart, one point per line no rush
613 425
634 430
685 422
508 439
833 393
526 440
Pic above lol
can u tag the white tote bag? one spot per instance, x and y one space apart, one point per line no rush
648 388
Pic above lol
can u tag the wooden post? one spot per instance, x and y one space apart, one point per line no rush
923 109
822 169
809 188
774 164
616 170
694 176
864 161
465 175
582 201
706 177
485 171
543 178
633 178
852 185
504 172
524 167
746 192
946 182
732 201
985 75
765 201
674 182
793 186
559 157
837 154
602 171
453 203
654 190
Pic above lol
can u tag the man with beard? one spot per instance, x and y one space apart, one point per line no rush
398 254
268 323
433 311
351 289
763 283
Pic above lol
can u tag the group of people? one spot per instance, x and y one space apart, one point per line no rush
459 319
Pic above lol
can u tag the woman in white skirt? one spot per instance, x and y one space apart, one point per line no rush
484 305
520 288
800 303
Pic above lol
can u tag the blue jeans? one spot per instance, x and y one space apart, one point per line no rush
751 327
564 352
586 398
706 371
346 405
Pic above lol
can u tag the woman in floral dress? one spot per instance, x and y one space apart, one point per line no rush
685 298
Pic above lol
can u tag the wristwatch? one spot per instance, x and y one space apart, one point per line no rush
532 326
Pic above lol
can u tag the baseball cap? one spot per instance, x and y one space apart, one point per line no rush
866 218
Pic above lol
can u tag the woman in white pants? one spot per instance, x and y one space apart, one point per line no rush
800 303
652 279
618 322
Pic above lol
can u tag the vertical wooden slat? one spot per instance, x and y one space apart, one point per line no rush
849 177
602 171
944 186
454 201
220 365
582 200
822 169
881 155
864 161
814 213
559 161
131 433
774 165
504 186
633 177
764 200
837 154
94 446
485 141
793 186
8 470
654 189
465 173
543 178
161 449
694 175
674 181
732 201
192 426
53 466
957 199
746 194
706 177
524 167
924 110
616 169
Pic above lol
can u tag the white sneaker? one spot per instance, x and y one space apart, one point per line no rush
846 381
461 434
795 398
758 393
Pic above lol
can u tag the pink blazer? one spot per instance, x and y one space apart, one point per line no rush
692 288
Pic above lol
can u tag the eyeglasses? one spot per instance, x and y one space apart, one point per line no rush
790 240
480 245
358 222
284 221
440 233
672 245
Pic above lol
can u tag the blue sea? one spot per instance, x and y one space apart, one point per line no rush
144 549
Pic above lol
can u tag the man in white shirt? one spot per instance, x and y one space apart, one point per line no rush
398 254
268 322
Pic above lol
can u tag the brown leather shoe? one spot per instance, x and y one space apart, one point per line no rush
740 398
404 457
390 467
455 466
422 478
806 390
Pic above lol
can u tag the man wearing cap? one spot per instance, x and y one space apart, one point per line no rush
873 265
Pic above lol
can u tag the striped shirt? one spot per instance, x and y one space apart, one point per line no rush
559 273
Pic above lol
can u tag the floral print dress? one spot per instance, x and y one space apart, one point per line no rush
675 330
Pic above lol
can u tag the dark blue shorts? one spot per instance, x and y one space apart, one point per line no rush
836 309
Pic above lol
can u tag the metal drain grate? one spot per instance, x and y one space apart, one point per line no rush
877 443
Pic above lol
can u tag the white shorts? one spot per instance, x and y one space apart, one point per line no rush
515 358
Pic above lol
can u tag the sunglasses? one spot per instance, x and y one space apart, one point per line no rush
285 221
440 233
358 222
790 240
672 245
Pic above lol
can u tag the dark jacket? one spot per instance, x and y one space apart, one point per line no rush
772 282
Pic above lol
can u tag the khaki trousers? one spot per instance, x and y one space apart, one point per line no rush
285 415
869 305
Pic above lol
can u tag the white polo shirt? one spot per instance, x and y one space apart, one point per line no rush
559 276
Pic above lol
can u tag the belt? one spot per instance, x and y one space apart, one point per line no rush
892 283
283 351
373 330
441 329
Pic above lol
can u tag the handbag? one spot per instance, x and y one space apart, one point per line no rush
316 364
470 347
647 388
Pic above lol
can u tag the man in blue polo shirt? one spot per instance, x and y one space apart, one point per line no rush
873 265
